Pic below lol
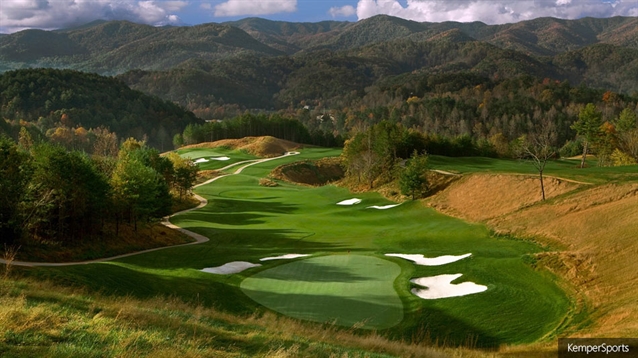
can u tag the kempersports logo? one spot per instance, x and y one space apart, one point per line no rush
597 347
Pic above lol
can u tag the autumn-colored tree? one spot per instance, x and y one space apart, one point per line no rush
105 142
185 173
25 141
606 143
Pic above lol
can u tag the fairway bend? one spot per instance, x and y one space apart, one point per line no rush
166 222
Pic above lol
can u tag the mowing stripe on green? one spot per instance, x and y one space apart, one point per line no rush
345 289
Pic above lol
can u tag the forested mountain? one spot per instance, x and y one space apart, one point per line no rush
220 70
75 102
258 63
117 46
290 37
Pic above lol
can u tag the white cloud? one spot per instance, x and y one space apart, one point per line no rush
343 11
494 11
16 15
252 8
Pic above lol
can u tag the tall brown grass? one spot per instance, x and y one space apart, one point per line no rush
593 233
9 256
41 319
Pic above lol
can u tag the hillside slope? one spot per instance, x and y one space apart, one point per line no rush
595 225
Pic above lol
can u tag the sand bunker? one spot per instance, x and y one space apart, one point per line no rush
200 160
435 261
283 257
382 207
441 287
220 158
231 267
349 202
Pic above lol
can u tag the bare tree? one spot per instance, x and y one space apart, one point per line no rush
537 147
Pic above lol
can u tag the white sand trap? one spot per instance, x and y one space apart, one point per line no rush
231 267
200 160
383 207
434 261
441 287
283 257
349 202
220 158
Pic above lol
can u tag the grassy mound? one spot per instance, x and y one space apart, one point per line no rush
349 290
308 172
264 147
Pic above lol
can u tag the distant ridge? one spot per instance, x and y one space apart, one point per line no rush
259 63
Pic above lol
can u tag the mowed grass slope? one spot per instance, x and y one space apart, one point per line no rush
247 222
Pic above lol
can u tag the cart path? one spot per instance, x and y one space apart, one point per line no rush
521 174
166 222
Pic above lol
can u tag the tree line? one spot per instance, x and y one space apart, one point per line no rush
251 125
53 194
388 151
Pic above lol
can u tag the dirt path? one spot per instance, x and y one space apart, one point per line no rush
166 222
444 172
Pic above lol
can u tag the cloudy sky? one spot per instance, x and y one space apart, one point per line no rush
16 15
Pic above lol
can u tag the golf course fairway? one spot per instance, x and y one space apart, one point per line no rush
346 278
349 290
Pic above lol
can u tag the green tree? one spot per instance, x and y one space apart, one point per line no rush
627 133
412 179
67 195
14 178
139 192
178 141
588 127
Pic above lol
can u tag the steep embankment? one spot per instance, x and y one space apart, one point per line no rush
265 147
596 226
481 197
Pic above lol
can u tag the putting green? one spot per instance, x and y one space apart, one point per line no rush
345 289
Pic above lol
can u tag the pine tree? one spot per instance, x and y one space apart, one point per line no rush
412 179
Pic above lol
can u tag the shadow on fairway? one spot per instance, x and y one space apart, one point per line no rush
235 212
345 311
432 326
229 218
121 281
248 205
435 326
235 244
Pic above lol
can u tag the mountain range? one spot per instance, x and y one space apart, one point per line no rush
262 63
